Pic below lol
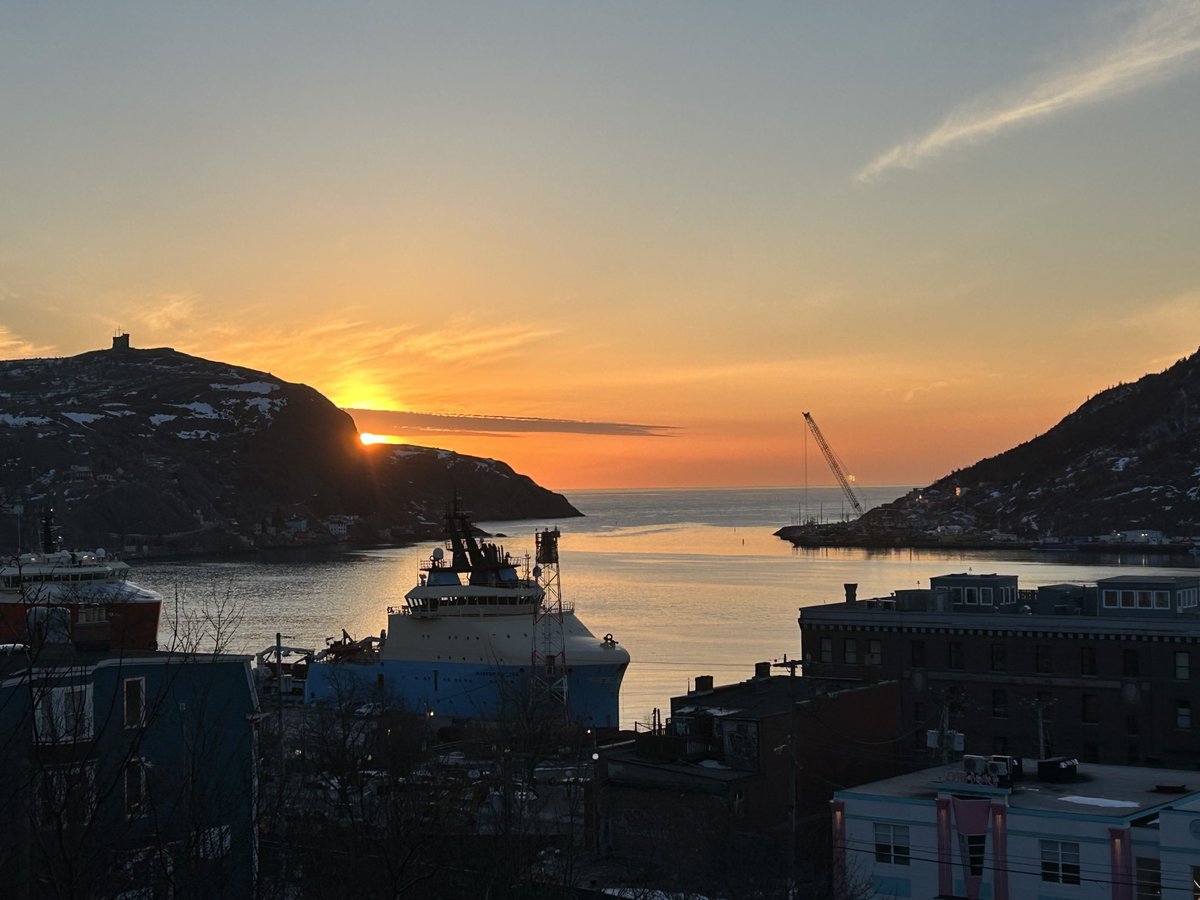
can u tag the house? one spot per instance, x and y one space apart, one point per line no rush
987 829
128 775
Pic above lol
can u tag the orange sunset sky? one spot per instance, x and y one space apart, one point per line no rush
620 244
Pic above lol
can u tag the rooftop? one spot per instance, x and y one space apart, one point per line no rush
1097 790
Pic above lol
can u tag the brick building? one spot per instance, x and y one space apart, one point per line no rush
1108 673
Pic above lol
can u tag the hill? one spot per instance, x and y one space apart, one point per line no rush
1127 459
160 452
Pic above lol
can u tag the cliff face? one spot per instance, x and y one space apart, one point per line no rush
173 453
1128 458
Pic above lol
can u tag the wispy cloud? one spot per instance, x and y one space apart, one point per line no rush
385 421
164 312
1161 44
14 347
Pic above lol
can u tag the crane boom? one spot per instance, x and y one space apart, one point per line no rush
834 465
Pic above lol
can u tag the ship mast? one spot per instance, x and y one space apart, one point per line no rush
549 660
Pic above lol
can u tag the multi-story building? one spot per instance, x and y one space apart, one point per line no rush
126 775
741 772
978 829
1108 672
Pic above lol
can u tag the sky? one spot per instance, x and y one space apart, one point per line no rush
620 244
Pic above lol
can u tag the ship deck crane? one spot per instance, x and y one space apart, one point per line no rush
834 464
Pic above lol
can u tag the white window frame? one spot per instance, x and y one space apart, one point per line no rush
215 842
135 774
61 786
892 844
1060 861
140 719
51 706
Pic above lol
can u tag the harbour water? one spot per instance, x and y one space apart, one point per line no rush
691 582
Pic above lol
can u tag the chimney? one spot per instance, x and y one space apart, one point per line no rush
762 670
851 592
703 683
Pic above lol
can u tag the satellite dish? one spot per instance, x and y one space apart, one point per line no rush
99 553
438 554
537 571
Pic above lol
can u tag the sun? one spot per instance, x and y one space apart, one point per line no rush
367 438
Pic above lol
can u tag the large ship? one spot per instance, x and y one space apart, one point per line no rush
82 596
477 638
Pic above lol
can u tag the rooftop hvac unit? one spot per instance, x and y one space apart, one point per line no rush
1003 765
977 765
1058 768
958 741
931 739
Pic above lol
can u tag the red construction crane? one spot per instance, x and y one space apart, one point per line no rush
834 465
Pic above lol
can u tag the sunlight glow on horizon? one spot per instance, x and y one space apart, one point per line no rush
612 259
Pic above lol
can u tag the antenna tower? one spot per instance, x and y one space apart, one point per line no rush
549 662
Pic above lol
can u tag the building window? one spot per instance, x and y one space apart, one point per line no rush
135 702
135 787
67 795
999 658
851 652
1183 714
1111 599
972 597
826 650
1060 862
956 595
1045 659
63 715
918 654
1129 662
971 848
1128 598
954 648
1087 660
985 596
1162 600
1183 665
874 653
1147 878
214 843
999 703
891 844
1090 712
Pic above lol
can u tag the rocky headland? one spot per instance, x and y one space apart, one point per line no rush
155 452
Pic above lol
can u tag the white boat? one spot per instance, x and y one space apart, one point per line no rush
476 637
105 607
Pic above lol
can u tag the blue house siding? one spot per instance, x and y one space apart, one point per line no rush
170 766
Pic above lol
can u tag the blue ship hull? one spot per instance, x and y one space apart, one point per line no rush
463 690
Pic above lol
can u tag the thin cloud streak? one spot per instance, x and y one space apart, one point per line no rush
386 421
1161 45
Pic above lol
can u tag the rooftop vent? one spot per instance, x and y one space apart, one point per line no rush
1170 789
